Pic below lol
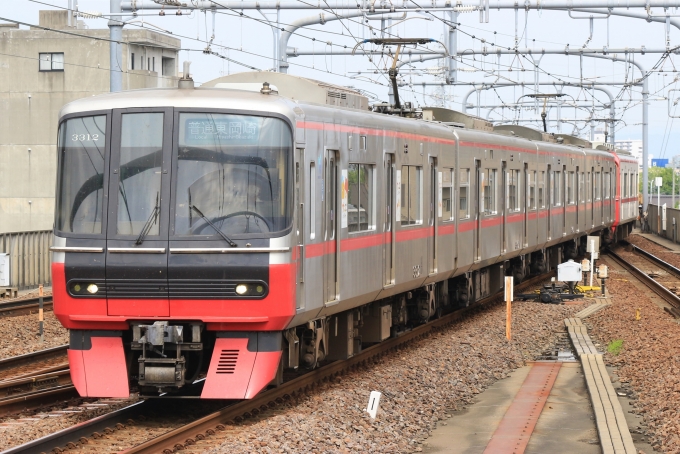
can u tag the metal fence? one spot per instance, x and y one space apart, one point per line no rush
29 257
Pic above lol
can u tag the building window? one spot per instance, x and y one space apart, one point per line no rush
447 195
52 61
411 189
132 60
464 181
153 64
360 198
490 187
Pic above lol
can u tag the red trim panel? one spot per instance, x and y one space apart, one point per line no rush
77 369
139 307
101 370
236 373
264 371
272 313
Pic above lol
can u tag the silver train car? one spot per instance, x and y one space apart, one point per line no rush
239 229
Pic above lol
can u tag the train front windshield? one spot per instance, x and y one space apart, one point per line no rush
231 169
229 173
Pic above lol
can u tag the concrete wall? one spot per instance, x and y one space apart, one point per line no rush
30 101
672 231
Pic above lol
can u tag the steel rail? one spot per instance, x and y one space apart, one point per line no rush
653 258
41 355
643 277
78 434
187 435
35 391
23 307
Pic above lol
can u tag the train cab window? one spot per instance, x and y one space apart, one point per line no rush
463 196
541 189
490 188
531 183
360 198
140 173
234 170
447 194
571 194
513 190
411 190
81 147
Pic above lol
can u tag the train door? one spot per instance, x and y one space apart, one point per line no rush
479 209
300 227
137 232
388 245
504 207
566 182
550 195
330 288
526 203
434 204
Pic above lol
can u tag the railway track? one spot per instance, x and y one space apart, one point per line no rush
214 423
35 379
24 306
660 276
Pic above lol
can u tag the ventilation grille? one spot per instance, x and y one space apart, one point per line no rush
335 94
227 362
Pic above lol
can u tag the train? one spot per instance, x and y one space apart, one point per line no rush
263 223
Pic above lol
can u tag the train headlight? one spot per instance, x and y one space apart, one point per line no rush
77 288
241 289
92 288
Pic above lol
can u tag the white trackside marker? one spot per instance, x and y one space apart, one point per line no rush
373 404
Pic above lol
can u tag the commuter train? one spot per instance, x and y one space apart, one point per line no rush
233 231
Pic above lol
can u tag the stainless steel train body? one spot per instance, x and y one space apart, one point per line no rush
232 234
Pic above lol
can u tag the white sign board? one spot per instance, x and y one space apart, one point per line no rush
658 182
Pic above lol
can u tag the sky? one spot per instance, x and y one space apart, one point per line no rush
248 41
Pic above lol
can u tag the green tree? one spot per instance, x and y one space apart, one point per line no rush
666 173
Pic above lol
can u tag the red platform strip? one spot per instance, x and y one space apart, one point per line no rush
514 431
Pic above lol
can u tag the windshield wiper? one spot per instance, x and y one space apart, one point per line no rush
147 226
219 232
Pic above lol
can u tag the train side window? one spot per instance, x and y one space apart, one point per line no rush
513 190
490 188
596 187
557 201
541 189
411 190
362 143
464 182
581 187
571 199
531 182
312 200
447 194
360 198
590 189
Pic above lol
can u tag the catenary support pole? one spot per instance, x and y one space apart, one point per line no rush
115 50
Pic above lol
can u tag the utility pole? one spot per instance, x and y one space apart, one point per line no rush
115 48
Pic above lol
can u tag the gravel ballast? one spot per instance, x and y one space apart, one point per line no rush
21 335
649 360
420 383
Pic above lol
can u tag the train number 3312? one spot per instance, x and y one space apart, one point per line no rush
84 137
